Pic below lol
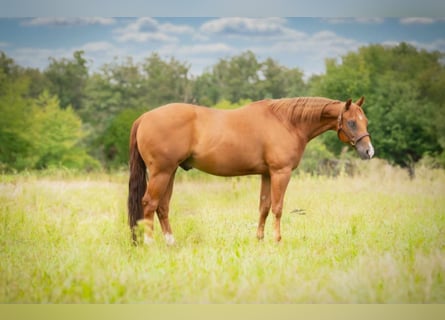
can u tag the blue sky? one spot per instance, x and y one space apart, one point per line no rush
294 42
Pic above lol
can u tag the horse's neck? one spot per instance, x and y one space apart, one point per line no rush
328 120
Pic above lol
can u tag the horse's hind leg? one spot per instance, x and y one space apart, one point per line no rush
163 209
157 186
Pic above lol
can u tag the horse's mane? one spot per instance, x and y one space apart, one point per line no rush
299 109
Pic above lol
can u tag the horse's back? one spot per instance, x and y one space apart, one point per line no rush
221 142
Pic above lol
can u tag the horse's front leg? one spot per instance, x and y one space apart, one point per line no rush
279 181
264 205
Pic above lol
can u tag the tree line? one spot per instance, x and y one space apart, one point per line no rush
69 116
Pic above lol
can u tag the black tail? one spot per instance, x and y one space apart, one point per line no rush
137 183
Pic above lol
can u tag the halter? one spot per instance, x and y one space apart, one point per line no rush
352 140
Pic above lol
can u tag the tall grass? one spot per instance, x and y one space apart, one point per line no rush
377 237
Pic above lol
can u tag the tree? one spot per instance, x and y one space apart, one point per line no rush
115 87
227 105
15 140
204 90
116 137
57 135
165 82
37 82
35 132
402 125
280 82
67 79
118 88
238 77
403 100
8 68
244 77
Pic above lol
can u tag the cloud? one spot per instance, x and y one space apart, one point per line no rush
310 51
417 20
37 57
97 53
97 46
329 42
202 45
438 44
249 27
198 49
198 56
149 29
307 51
323 43
102 52
172 28
362 20
68 21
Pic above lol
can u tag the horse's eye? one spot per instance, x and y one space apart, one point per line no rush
352 124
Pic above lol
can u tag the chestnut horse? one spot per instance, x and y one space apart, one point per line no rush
266 137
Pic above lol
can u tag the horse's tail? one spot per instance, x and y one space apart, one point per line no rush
137 182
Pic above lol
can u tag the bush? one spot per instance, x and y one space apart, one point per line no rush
227 105
314 156
57 134
116 137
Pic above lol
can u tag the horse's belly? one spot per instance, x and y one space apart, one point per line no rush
226 165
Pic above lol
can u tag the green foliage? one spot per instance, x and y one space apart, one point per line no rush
67 79
164 81
402 126
36 133
205 91
116 137
403 101
56 135
116 87
314 158
346 80
403 87
227 105
15 139
237 78
244 77
119 87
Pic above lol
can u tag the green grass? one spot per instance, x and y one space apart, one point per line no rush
374 238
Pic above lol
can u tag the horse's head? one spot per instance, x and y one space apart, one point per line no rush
352 128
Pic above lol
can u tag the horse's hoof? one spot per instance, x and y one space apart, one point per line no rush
148 240
169 239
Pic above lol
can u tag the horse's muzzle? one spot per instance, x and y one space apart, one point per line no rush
365 150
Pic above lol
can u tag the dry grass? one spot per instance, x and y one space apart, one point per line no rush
378 237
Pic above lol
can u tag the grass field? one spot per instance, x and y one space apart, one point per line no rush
375 238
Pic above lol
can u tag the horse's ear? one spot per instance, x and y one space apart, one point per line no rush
360 101
348 104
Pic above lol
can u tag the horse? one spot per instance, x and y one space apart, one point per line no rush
265 138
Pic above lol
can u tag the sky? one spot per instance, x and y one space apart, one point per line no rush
301 42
